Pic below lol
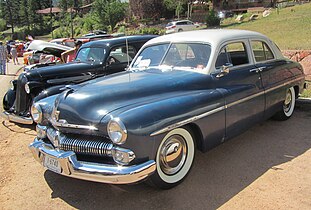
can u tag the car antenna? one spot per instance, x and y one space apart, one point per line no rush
127 50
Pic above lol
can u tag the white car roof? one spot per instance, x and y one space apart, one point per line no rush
212 36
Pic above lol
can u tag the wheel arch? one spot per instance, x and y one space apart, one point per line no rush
296 88
197 135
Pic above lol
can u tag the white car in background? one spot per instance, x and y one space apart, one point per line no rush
181 25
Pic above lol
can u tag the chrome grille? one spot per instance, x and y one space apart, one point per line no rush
95 147
89 145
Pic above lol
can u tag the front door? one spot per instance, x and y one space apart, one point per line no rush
242 87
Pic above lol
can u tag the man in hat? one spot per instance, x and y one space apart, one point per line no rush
3 57
69 55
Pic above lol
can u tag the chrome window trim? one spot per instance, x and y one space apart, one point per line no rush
213 111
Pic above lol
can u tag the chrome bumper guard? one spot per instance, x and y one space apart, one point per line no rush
15 118
70 166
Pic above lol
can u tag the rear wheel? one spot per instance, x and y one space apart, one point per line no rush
288 105
174 158
180 30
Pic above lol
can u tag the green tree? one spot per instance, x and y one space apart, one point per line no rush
109 12
178 6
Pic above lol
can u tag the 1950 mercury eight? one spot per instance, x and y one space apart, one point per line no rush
183 91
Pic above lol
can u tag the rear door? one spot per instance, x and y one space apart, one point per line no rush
274 75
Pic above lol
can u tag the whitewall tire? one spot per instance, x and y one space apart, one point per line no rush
288 105
174 158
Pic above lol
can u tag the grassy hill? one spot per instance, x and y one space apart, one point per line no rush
290 28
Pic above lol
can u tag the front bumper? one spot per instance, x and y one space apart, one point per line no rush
70 166
15 118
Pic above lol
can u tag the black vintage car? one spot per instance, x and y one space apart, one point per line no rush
94 59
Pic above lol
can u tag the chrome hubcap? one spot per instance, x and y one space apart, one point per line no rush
173 154
288 101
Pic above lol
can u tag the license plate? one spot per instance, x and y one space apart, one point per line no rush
52 164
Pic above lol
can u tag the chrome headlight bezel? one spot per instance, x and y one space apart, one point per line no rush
12 87
117 131
36 113
27 88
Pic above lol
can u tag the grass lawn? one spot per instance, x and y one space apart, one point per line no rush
290 28
307 92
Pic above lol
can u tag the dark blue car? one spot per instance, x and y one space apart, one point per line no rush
183 92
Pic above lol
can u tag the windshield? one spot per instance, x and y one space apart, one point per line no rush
181 55
94 55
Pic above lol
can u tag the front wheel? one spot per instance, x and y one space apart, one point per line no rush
288 105
174 158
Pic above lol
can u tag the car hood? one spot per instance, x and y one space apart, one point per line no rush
89 102
61 70
48 48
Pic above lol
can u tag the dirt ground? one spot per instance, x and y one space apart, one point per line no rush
268 167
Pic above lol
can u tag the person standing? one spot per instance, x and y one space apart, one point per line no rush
3 57
14 54
70 55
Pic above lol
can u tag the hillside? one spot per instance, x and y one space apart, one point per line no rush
290 28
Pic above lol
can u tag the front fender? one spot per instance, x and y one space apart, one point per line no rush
149 122
9 99
49 92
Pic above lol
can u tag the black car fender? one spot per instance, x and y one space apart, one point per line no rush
49 92
9 99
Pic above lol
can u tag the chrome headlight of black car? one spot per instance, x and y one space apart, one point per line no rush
36 113
12 85
117 131
27 89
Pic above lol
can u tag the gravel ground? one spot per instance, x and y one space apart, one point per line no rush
267 167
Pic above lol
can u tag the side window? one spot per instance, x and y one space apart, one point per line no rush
121 55
261 51
234 54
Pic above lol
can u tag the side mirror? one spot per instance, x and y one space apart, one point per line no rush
224 70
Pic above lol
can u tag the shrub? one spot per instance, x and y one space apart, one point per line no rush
212 19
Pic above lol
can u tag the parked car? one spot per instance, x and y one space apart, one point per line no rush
179 26
94 59
184 91
38 48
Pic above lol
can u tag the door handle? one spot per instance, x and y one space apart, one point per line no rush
254 70
262 68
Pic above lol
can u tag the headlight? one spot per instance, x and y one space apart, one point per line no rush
117 131
12 85
27 89
36 113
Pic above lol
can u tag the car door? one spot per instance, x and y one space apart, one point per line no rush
242 87
120 57
274 73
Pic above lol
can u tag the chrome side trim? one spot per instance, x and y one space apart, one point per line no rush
105 173
184 122
245 99
14 118
285 83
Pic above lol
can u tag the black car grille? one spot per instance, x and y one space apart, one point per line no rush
22 99
84 145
